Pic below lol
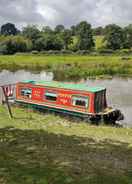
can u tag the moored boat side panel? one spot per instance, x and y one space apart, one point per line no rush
88 103
65 97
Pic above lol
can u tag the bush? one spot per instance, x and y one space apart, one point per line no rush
105 51
44 52
125 58
66 52
53 52
124 51
56 52
94 53
83 52
35 52
22 53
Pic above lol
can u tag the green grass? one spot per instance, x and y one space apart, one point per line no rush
70 67
47 149
99 41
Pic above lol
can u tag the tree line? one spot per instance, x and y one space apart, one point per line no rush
80 37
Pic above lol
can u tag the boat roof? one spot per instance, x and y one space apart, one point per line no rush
63 85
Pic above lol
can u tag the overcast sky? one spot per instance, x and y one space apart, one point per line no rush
67 12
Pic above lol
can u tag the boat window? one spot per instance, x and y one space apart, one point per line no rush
80 101
51 96
26 92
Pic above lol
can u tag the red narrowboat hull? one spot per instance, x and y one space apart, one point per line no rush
67 101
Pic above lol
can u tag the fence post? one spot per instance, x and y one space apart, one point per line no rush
6 100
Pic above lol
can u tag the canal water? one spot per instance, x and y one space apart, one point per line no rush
119 90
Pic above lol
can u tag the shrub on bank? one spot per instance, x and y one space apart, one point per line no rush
52 52
105 51
66 52
125 52
22 53
4 49
35 52
83 52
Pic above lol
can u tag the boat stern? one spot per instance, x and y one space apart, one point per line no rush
112 115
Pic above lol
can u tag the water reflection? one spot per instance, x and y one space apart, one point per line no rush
7 77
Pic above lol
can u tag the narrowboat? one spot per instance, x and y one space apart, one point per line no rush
79 100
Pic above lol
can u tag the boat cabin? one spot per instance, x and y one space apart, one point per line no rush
66 97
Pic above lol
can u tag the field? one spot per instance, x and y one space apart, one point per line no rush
75 66
47 149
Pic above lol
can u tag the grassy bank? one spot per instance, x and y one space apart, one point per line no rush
70 67
47 149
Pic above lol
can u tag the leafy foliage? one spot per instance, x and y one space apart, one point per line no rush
85 36
98 31
59 28
31 32
114 37
9 29
128 37
66 36
13 44
48 42
80 37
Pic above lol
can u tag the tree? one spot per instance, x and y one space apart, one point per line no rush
13 44
98 31
59 28
47 30
73 30
49 42
128 37
85 36
114 37
67 38
31 32
9 29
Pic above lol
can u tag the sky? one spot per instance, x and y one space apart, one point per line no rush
66 12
